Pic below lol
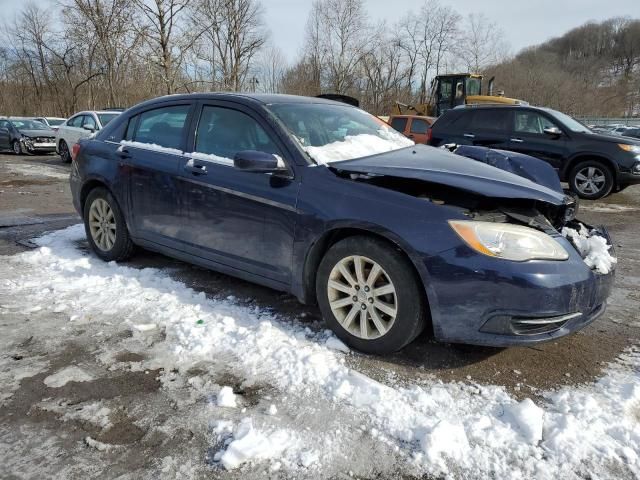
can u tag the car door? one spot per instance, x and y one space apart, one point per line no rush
72 130
418 130
152 150
486 127
243 220
528 137
5 135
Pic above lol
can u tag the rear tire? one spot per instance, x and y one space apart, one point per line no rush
105 226
591 180
378 311
65 154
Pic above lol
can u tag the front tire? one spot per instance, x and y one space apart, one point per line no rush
370 295
16 147
65 155
105 226
591 180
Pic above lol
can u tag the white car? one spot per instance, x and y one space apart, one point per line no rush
52 122
80 125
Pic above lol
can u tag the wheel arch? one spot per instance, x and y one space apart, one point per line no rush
90 185
583 157
330 237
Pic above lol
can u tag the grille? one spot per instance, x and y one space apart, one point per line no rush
44 139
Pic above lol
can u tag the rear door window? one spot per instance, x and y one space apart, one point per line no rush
419 125
490 120
399 124
163 126
223 132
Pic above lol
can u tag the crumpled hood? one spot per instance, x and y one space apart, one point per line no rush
37 133
442 167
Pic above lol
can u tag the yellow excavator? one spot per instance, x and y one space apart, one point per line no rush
452 90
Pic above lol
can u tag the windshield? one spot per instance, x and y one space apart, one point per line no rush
332 133
106 117
570 122
54 122
29 124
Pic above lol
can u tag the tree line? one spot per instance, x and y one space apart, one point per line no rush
91 54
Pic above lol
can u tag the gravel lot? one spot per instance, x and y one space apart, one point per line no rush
39 437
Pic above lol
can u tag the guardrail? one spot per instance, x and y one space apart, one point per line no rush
609 120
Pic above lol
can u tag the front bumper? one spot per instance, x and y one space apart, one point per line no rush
480 300
628 179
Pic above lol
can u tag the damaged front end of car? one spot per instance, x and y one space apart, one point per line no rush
522 270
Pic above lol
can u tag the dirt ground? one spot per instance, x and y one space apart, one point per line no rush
35 198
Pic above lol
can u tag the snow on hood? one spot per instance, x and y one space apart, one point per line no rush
430 428
356 146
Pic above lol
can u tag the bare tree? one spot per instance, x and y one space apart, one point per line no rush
233 34
482 43
271 66
167 37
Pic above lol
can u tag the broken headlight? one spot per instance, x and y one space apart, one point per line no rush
508 241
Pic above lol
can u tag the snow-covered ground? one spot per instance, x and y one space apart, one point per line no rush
36 170
314 416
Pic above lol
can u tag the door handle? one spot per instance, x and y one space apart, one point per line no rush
123 153
195 169
469 135
517 140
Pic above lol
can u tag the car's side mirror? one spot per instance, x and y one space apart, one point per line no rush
258 162
89 128
553 131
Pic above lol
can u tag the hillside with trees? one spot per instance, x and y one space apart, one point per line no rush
89 54
591 70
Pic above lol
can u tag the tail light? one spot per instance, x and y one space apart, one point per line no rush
75 150
429 135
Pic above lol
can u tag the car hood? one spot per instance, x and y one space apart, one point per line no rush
609 138
439 166
38 133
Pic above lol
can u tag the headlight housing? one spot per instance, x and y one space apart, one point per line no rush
629 148
507 241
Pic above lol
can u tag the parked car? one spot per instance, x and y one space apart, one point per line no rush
24 135
80 125
322 200
593 164
414 127
52 122
633 133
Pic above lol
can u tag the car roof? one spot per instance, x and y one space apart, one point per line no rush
260 98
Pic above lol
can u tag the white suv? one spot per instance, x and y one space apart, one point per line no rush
80 125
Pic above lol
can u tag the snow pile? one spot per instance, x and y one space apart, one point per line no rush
68 374
356 146
226 398
593 248
251 444
438 429
209 157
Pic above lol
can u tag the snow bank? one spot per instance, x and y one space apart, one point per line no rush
593 248
68 374
357 146
438 429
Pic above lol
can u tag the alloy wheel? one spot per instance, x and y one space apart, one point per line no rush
362 297
102 224
590 180
17 149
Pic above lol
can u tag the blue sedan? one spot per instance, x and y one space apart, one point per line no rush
325 201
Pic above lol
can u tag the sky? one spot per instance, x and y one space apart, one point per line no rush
525 23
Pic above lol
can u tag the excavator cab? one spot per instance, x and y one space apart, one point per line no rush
453 90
